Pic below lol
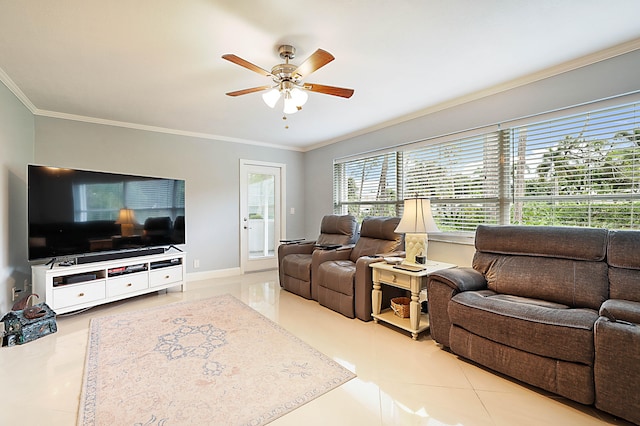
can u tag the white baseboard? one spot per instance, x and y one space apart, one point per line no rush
218 273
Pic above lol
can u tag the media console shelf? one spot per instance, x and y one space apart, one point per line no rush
69 288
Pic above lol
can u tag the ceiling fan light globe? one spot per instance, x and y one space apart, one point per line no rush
271 97
290 106
299 97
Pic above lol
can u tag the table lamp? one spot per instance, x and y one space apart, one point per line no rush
126 220
416 222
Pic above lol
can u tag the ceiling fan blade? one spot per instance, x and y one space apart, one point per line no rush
247 91
319 59
329 90
248 65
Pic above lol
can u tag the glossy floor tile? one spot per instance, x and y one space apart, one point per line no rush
400 381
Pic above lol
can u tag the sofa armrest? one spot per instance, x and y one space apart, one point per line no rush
622 311
305 247
364 286
460 279
441 287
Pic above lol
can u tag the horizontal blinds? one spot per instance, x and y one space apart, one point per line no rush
576 170
367 186
158 193
580 170
166 197
97 201
461 177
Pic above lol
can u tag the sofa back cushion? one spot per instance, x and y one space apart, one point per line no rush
337 229
377 235
557 264
623 257
546 241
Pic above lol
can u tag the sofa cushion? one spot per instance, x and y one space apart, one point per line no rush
539 327
546 241
578 284
342 275
377 236
623 249
624 265
297 265
337 229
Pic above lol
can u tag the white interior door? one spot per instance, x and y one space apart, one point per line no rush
261 214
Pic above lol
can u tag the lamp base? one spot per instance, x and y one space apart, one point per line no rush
415 245
126 229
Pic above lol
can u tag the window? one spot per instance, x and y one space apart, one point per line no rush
367 186
576 170
148 198
460 176
581 170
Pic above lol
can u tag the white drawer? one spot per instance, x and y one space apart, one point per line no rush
164 276
78 294
128 283
397 279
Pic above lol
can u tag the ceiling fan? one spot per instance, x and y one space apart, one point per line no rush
288 79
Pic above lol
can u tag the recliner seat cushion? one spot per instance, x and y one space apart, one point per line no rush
297 266
341 273
535 326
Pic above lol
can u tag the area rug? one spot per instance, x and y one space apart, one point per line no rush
209 362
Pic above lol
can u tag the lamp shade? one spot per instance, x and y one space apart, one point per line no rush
126 217
299 97
271 97
290 106
416 217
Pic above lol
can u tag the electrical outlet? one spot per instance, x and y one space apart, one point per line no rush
14 294
196 263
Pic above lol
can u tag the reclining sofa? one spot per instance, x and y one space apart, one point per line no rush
294 260
342 278
555 307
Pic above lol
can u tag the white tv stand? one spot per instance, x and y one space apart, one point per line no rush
69 288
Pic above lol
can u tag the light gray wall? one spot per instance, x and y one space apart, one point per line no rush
16 150
608 78
210 168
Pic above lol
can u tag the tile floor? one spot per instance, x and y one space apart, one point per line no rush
400 381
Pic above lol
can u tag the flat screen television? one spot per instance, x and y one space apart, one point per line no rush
77 213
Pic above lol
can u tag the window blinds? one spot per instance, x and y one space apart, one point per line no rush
367 186
573 170
460 176
580 170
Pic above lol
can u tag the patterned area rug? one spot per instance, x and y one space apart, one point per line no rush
209 362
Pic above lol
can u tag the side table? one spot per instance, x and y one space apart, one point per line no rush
384 273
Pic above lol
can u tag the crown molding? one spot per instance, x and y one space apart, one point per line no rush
156 129
13 87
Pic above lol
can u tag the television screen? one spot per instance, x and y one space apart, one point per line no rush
78 212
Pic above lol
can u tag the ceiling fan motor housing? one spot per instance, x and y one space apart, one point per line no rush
283 72
287 51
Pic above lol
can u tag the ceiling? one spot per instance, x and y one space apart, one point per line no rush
156 64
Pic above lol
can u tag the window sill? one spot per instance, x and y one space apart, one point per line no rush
464 238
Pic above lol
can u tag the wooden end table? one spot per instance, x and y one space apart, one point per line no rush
384 273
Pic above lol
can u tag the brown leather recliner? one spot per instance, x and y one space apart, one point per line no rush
294 260
343 278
